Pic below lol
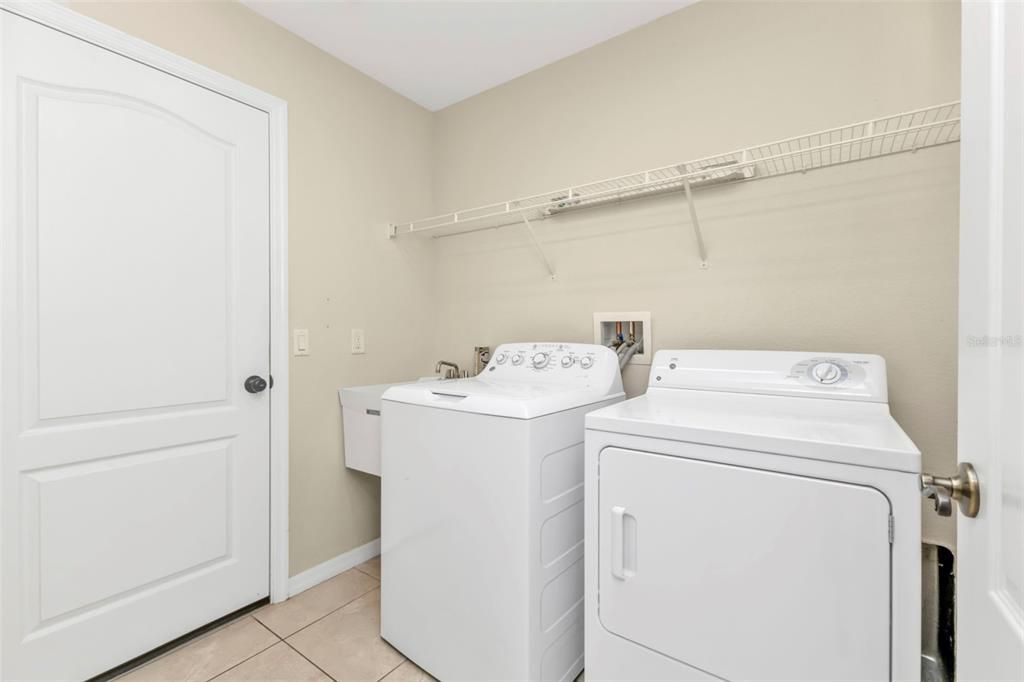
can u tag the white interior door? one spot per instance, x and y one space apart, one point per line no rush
797 589
990 557
134 283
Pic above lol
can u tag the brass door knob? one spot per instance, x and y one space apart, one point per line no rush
964 488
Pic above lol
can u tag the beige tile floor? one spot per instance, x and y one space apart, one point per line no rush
329 632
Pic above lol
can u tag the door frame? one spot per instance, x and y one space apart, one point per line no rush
65 20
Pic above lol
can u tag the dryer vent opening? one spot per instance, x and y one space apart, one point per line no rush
938 603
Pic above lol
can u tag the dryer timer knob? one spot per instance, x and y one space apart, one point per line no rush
586 362
827 372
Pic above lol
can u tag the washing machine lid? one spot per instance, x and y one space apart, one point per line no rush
525 381
862 433
518 401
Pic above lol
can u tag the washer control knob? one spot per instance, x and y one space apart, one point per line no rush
517 359
501 357
586 362
540 360
827 372
568 361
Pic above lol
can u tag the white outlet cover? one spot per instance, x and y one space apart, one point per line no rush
644 318
358 342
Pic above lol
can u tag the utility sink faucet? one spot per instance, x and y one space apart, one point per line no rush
452 371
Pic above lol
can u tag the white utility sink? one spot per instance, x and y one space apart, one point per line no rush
360 410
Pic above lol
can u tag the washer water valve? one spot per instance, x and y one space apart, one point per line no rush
481 356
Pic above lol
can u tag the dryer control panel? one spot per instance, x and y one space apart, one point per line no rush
847 376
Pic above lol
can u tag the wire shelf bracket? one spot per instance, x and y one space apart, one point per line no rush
701 249
908 131
539 249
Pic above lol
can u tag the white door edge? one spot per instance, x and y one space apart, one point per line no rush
63 19
989 601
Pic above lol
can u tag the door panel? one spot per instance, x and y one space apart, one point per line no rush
180 215
134 281
744 574
990 565
88 512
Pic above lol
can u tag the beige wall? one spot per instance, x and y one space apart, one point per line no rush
358 154
860 258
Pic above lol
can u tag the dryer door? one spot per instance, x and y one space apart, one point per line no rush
742 573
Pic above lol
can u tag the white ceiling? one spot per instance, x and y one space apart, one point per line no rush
437 53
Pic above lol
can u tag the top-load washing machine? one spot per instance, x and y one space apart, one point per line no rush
482 514
753 516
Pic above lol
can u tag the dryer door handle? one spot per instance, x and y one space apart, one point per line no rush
623 544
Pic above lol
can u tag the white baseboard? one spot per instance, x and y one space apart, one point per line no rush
332 567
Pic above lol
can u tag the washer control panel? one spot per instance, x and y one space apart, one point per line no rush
553 360
847 376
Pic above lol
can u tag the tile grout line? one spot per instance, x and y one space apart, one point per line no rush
311 623
189 642
375 577
248 658
227 670
403 662
310 660
279 637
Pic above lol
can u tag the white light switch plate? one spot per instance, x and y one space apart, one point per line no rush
358 342
300 342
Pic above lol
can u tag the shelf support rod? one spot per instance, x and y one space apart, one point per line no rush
696 225
537 247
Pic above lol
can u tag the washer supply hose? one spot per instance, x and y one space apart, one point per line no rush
627 355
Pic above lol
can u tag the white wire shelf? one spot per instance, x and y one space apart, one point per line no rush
904 132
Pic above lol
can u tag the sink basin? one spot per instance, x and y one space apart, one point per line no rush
360 411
